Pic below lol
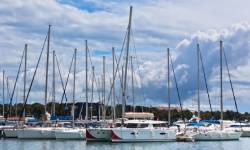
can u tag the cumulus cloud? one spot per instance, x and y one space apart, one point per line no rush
236 44
157 25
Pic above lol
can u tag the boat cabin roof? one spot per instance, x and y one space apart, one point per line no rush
145 122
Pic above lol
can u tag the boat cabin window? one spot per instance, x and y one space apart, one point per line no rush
118 124
160 125
143 125
135 125
131 125
238 126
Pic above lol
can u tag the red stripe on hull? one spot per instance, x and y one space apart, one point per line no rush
114 136
89 136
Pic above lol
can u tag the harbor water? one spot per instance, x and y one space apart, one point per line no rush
17 144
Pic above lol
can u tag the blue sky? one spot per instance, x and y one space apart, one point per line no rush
84 5
157 25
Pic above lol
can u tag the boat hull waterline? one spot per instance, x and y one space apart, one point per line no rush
10 133
70 134
36 133
216 136
98 134
142 135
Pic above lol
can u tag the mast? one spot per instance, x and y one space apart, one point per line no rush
113 57
221 86
54 86
198 79
8 93
132 75
102 103
92 92
17 94
74 83
169 111
122 79
111 99
86 81
126 66
104 96
24 76
100 99
47 70
3 91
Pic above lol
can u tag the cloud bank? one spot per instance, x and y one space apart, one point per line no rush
157 25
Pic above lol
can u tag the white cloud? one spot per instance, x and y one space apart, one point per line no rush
156 26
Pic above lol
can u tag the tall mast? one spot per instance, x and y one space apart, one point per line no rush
126 66
169 111
113 57
54 86
17 94
122 80
92 92
8 92
47 70
133 91
86 81
24 77
198 79
102 103
100 99
221 86
3 91
104 95
74 84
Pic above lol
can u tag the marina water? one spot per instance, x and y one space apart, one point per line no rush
16 144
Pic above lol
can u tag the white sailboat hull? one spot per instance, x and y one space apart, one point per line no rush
98 134
216 136
10 133
36 133
76 134
142 135
245 133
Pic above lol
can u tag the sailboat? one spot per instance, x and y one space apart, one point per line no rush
39 132
241 127
103 131
213 133
11 132
139 130
8 130
71 133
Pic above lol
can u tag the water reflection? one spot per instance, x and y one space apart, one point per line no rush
9 144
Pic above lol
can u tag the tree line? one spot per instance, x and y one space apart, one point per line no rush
37 110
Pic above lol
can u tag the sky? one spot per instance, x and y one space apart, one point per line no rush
156 26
